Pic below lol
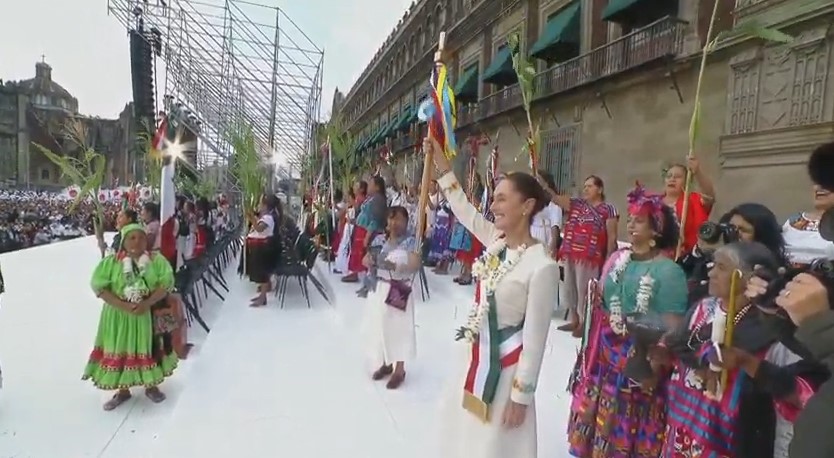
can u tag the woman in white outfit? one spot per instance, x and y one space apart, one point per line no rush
341 264
490 411
390 309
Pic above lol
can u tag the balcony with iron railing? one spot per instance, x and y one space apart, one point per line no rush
662 39
402 142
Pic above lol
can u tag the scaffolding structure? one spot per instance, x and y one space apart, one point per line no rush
227 63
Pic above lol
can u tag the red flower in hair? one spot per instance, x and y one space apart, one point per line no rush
642 202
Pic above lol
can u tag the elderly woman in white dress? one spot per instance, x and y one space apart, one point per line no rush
490 411
389 315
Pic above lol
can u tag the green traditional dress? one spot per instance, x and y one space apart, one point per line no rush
123 355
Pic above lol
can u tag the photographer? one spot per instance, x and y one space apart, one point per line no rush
748 222
804 302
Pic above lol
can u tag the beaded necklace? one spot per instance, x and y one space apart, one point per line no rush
696 331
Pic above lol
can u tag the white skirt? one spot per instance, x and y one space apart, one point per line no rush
463 435
343 255
389 333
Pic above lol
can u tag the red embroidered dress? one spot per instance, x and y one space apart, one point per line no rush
586 237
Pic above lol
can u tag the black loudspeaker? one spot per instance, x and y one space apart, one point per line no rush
141 72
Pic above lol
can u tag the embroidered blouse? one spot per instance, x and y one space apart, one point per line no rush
109 275
586 235
372 214
669 291
803 242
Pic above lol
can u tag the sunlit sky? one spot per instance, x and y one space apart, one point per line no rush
89 54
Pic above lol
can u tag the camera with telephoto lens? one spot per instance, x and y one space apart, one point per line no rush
712 233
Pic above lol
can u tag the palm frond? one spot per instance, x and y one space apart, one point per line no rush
86 173
246 167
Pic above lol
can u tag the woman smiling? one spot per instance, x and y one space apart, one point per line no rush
510 320
619 404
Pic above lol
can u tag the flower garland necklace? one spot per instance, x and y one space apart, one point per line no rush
135 289
489 269
645 291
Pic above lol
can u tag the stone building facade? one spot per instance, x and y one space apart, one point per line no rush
615 90
35 111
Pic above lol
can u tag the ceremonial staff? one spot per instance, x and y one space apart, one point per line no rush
439 113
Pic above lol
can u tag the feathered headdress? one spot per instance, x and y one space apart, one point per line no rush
642 202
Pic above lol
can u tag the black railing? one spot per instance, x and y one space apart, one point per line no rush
404 141
467 114
499 101
660 39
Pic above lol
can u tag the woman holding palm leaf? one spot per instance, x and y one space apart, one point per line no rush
128 352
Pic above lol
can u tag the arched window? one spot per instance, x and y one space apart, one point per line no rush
429 32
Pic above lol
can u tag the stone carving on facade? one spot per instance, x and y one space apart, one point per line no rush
747 7
812 65
774 95
780 86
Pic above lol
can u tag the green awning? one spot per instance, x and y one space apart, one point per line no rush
500 70
466 89
407 117
379 136
619 10
388 130
561 36
360 145
372 140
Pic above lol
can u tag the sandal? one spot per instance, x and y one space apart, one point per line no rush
257 302
155 395
382 372
118 399
569 327
395 381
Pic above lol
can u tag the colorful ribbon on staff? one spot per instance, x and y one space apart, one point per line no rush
439 111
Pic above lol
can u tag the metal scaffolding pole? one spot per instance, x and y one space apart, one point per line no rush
223 67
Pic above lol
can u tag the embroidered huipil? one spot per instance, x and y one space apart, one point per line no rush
741 422
586 237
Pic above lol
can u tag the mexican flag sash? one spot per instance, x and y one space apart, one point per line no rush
493 350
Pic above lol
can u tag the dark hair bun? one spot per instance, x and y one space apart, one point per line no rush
528 186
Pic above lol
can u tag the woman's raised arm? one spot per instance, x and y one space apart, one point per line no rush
465 212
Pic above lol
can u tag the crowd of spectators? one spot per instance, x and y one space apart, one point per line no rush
31 218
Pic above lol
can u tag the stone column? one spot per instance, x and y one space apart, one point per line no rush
533 20
486 57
